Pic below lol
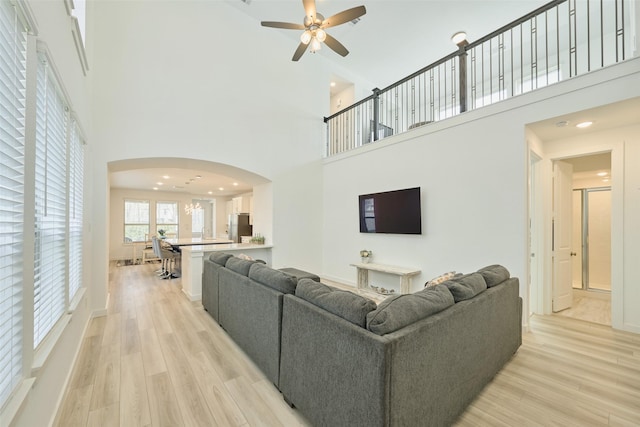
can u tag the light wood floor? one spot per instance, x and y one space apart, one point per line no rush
157 359
590 306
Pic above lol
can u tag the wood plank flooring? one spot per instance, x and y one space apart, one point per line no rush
157 359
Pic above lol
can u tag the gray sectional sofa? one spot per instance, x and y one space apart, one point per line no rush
245 298
416 359
342 360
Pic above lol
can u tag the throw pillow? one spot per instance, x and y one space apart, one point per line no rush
402 310
442 278
274 279
494 274
466 286
347 305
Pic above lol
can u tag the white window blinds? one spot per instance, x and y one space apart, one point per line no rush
12 106
76 193
50 204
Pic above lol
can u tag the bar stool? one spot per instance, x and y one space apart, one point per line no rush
166 256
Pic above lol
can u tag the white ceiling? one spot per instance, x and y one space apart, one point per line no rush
610 116
395 37
196 182
392 40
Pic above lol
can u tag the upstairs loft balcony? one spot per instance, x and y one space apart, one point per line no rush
560 40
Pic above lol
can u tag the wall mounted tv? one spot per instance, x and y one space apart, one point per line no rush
391 212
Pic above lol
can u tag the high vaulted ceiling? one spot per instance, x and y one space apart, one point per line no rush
395 37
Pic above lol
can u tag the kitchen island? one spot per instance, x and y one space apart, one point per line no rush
193 257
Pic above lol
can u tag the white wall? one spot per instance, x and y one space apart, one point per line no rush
473 173
170 83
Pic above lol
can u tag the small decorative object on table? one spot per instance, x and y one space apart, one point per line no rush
383 291
365 255
161 233
257 239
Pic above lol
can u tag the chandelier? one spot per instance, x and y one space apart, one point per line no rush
190 207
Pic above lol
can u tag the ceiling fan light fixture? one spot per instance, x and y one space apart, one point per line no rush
305 37
321 35
315 45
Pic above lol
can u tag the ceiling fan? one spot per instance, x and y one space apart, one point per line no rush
314 28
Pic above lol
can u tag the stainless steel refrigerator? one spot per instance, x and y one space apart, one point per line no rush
239 226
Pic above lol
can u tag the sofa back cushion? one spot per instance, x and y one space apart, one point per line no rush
399 311
347 305
274 279
466 286
494 274
240 266
220 258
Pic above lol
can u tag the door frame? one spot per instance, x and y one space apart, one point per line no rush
541 213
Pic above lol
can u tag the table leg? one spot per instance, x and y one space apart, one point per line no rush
363 278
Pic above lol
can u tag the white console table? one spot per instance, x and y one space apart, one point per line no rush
406 275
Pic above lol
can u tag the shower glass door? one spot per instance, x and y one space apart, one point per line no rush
591 256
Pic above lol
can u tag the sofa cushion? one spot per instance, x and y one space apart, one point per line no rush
300 274
238 265
351 307
494 274
398 311
274 279
220 258
466 286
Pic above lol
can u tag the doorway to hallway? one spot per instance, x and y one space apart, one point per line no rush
590 245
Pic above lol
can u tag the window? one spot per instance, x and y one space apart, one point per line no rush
12 106
167 218
76 194
50 278
136 220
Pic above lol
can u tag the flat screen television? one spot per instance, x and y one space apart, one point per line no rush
391 212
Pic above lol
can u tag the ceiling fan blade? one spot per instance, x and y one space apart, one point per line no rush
285 25
299 51
344 16
309 7
336 46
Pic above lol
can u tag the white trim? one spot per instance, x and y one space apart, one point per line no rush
27 17
73 304
77 39
41 354
70 372
11 409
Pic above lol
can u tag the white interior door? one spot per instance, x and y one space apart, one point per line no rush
562 235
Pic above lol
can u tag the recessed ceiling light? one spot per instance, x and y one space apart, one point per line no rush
332 84
605 180
562 123
198 176
602 173
159 183
235 184
583 125
155 188
165 176
221 188
210 192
